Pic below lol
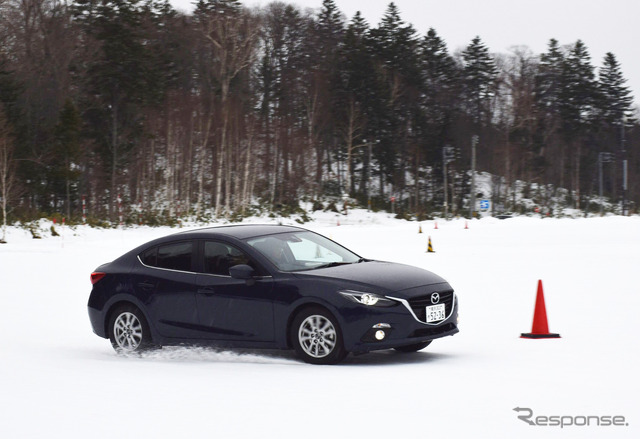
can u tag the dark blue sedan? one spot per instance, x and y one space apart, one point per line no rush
267 286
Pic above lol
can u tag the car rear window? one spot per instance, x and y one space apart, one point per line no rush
175 256
150 257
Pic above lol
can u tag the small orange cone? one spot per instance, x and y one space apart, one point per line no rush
540 327
430 247
466 225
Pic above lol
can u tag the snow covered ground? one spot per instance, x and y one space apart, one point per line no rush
59 380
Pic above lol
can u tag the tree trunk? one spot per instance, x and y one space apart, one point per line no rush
170 171
7 175
114 159
188 166
67 188
247 168
201 160
577 177
221 163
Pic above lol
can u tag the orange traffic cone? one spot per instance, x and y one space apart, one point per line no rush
466 225
540 327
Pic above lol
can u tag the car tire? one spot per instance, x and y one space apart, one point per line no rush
128 330
316 337
413 347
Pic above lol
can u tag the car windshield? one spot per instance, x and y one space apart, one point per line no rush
303 250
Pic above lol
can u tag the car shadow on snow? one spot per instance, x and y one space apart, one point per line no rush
218 355
281 357
391 357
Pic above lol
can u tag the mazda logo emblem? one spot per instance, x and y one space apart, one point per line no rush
435 298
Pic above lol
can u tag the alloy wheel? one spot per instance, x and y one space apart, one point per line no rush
127 331
317 336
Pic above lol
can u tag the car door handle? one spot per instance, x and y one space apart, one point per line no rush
146 286
207 291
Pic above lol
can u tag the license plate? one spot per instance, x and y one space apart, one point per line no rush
435 313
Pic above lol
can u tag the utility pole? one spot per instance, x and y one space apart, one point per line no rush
472 198
447 157
603 157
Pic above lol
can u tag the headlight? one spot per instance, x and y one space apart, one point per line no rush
368 299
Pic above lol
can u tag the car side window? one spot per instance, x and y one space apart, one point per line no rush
174 256
219 257
150 257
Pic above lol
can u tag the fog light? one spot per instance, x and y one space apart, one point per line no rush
380 335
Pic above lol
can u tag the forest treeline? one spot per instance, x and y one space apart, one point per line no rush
138 109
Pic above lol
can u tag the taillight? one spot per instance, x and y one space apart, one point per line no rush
96 276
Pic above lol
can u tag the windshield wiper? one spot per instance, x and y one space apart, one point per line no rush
331 264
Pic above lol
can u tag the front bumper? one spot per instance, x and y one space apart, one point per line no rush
404 328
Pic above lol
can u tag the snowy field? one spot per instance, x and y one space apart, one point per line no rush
59 380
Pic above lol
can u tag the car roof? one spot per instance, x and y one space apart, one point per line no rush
243 231
239 231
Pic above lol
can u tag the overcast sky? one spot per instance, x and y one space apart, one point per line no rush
603 25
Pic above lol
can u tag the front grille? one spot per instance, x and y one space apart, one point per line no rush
419 304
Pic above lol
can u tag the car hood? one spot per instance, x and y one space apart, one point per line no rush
382 277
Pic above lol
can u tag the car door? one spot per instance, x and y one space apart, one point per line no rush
167 279
228 308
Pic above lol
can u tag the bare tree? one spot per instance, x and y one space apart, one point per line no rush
233 35
515 114
352 131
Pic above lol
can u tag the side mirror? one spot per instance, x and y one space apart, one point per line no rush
241 271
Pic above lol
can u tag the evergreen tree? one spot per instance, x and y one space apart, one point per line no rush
479 76
323 101
330 31
356 99
123 80
395 47
10 95
438 104
549 80
218 6
395 43
355 61
547 88
577 96
440 71
613 115
577 104
615 103
65 171
441 79
283 80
